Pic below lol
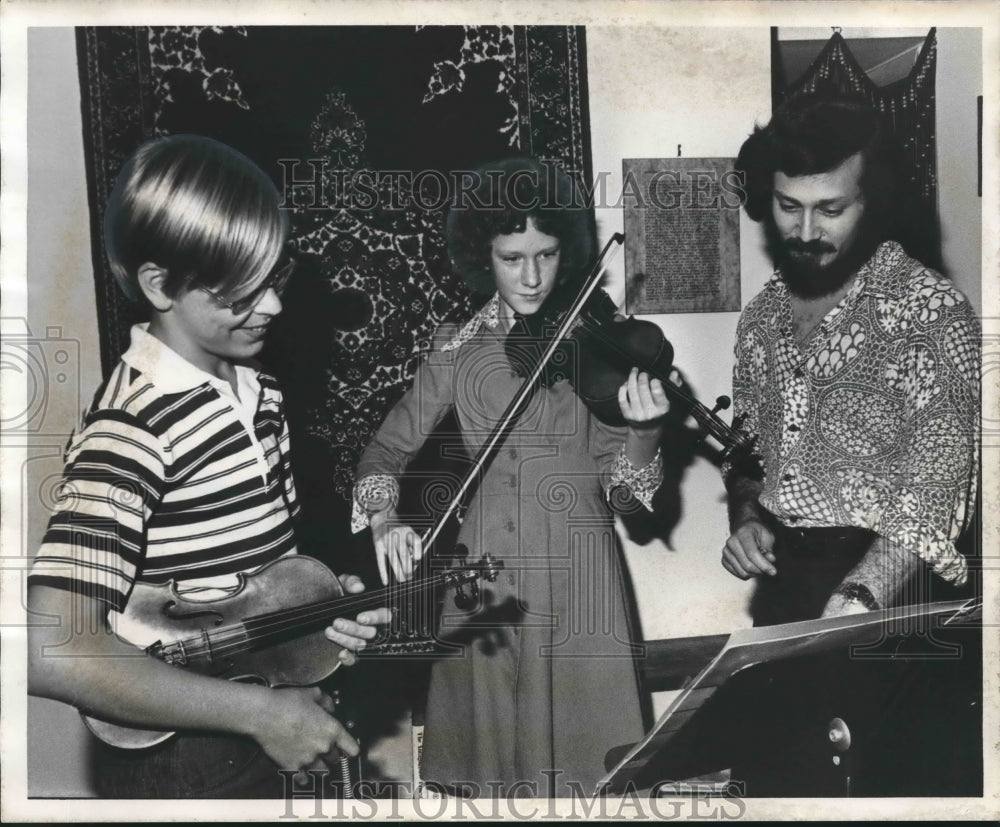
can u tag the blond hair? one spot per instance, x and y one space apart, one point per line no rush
199 209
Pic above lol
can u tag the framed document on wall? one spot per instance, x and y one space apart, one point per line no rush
682 235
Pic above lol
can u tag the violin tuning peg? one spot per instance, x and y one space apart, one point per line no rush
722 403
464 601
490 567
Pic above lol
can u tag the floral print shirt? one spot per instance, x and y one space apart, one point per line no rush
874 422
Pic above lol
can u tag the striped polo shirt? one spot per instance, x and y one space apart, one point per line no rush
164 480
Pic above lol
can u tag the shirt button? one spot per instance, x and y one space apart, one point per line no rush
510 525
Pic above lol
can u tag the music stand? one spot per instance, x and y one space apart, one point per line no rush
881 703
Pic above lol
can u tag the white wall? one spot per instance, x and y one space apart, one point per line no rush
653 88
958 83
61 300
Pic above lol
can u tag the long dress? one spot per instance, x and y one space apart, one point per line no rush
545 682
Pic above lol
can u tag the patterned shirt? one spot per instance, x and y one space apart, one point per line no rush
874 422
164 480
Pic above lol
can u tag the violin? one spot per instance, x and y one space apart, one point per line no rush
583 340
592 347
268 631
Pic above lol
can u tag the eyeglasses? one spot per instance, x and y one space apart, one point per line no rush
277 281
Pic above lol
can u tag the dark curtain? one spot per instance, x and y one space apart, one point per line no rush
908 105
362 129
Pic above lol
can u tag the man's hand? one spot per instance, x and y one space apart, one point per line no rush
353 634
877 580
854 595
748 551
840 606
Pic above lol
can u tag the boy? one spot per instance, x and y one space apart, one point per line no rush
180 472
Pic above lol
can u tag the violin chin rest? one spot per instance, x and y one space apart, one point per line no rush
125 737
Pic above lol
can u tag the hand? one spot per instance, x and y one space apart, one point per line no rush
352 634
840 606
396 543
643 401
296 728
749 551
855 594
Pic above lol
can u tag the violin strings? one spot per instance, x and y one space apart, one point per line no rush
259 627
251 630
287 619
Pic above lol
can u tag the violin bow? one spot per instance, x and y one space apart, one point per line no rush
514 409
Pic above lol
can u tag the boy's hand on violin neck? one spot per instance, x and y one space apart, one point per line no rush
297 730
397 546
353 635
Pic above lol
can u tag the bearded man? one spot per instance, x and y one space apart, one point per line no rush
857 375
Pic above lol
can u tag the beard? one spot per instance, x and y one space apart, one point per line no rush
799 261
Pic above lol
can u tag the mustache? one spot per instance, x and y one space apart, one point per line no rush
809 248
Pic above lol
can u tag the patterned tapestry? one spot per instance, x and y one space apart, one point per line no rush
908 104
364 130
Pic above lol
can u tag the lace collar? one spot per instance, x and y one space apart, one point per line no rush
489 315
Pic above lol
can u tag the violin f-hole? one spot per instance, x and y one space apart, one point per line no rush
171 605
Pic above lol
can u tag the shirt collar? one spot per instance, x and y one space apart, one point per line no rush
170 371
491 312
885 272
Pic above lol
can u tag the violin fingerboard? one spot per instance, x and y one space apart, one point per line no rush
422 646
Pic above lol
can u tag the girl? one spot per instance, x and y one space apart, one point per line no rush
545 684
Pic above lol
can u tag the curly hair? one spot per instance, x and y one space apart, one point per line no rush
813 134
504 195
